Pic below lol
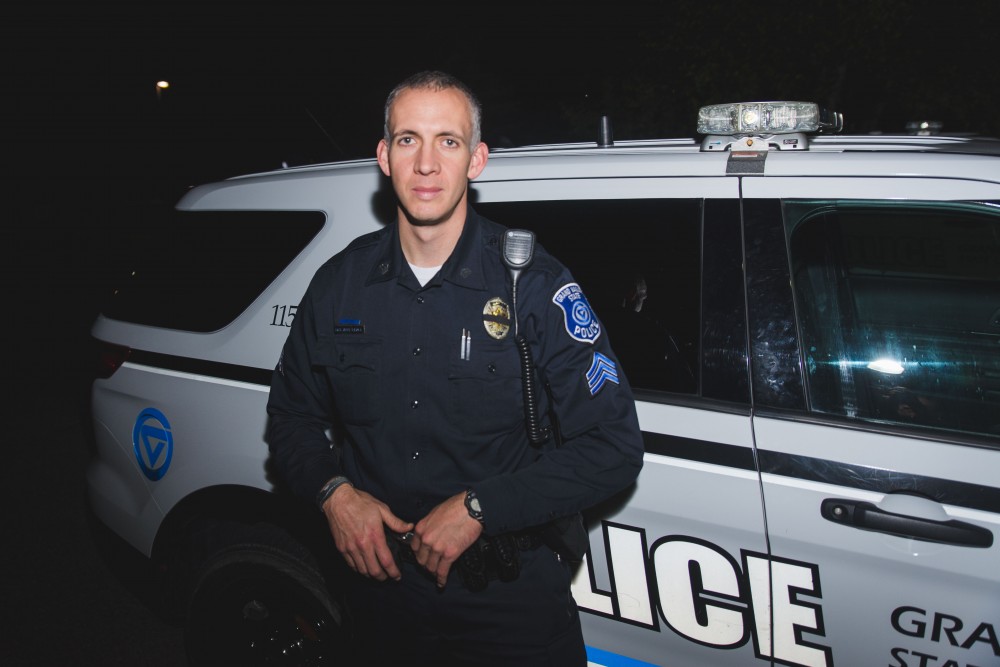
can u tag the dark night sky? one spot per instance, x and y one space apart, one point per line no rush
254 84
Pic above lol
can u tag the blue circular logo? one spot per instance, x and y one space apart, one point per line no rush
153 443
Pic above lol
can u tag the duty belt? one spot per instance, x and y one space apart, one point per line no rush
488 559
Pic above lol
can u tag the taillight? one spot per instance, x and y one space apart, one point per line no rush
110 358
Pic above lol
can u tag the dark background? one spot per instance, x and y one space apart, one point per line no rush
257 84
88 146
89 143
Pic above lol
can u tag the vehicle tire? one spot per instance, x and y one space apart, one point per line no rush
259 598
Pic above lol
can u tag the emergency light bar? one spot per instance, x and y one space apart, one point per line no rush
744 118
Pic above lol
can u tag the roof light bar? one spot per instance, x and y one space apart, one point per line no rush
744 118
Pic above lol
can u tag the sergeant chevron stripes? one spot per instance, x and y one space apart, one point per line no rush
601 370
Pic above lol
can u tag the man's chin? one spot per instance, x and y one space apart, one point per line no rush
425 218
419 222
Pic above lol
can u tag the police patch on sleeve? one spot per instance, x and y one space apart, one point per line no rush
602 370
579 318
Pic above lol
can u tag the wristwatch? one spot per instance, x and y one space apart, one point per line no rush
329 488
472 504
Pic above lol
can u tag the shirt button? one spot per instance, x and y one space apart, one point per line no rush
492 368
416 351
414 404
420 299
415 455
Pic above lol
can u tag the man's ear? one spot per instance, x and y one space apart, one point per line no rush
479 157
382 153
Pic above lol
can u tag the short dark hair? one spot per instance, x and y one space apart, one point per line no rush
436 80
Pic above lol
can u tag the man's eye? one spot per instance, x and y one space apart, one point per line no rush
450 142
405 140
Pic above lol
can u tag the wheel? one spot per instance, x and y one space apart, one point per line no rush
260 599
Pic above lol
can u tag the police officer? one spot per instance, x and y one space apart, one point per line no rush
436 498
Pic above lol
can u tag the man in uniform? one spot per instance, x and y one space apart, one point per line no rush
437 498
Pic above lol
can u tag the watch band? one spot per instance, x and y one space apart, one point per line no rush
329 488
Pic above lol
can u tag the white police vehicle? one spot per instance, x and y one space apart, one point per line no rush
815 352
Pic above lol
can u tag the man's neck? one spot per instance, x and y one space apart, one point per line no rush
430 245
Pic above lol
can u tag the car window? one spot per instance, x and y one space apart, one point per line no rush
638 261
899 311
197 271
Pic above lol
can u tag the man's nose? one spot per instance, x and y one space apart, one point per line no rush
427 160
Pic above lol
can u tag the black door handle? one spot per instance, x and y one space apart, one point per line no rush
867 516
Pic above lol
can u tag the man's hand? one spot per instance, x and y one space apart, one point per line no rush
357 522
443 535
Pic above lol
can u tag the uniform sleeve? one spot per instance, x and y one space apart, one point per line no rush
299 411
602 450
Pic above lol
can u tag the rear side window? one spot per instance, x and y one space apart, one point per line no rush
899 311
639 263
197 271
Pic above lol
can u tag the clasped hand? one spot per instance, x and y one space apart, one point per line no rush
358 522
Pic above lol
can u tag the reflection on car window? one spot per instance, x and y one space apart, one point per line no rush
899 309
198 270
638 262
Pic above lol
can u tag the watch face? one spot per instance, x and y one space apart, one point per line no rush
472 504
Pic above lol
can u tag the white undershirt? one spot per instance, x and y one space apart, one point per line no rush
424 273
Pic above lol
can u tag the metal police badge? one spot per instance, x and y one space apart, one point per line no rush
496 318
580 321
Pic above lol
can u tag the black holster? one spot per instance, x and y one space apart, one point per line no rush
567 536
496 557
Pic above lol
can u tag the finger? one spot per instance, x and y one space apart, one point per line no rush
350 562
424 556
366 561
443 568
388 562
397 525
374 568
379 560
434 567
359 565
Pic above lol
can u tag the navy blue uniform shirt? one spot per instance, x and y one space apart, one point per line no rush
427 384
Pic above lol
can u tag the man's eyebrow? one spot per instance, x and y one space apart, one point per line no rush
454 134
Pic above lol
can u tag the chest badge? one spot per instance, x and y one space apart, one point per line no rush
496 318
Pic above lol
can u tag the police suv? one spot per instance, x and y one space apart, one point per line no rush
810 321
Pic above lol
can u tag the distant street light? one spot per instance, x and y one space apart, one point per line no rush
161 85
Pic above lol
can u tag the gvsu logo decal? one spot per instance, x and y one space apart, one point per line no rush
153 443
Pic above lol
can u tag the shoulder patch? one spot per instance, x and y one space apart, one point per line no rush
577 314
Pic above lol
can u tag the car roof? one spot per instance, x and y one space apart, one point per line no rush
954 156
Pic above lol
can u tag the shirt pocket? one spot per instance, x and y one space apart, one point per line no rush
486 392
352 367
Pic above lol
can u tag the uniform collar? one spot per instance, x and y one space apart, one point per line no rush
464 267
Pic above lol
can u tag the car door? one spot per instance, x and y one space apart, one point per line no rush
875 355
667 578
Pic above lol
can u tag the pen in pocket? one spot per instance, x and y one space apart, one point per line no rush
466 344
